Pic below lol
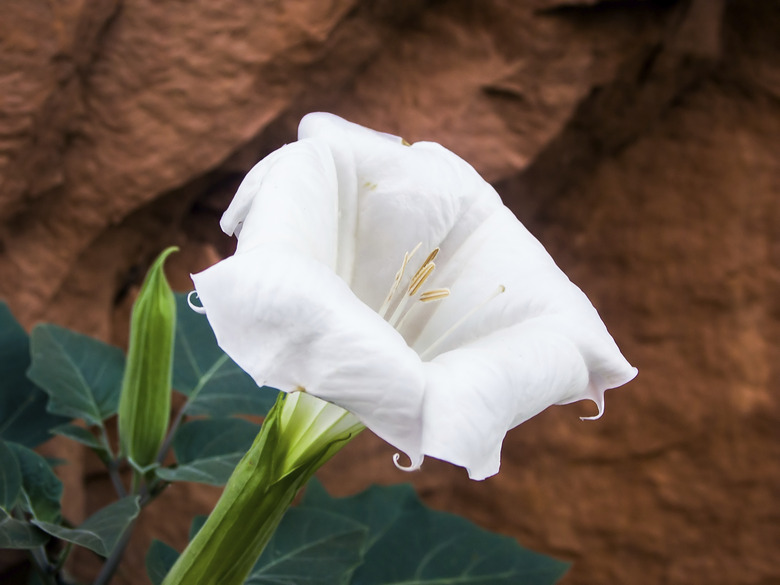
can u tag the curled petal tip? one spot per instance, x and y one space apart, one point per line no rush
407 468
597 416
197 308
594 417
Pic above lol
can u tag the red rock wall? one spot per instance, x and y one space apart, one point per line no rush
638 139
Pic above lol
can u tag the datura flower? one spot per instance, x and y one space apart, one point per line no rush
390 280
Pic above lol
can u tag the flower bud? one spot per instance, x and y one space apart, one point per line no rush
145 402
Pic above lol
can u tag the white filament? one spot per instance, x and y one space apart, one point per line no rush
432 347
396 281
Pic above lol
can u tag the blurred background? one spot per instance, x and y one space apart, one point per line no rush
639 140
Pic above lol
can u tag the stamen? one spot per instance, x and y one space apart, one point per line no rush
419 278
417 281
435 294
429 296
197 308
431 257
397 280
424 355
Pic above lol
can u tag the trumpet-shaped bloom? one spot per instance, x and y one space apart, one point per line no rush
390 280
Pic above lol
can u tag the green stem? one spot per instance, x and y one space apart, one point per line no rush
112 464
42 565
63 556
112 562
166 445
116 480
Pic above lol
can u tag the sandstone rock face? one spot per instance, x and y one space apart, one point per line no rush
637 140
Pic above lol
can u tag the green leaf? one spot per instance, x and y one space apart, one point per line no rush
18 534
82 375
215 385
311 547
377 507
204 438
159 559
212 470
42 489
197 523
34 578
10 478
79 434
23 416
207 450
413 545
101 531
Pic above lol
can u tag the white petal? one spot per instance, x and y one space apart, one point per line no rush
405 195
501 253
289 198
347 142
291 322
475 394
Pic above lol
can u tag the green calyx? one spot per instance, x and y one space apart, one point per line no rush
298 436
313 430
145 401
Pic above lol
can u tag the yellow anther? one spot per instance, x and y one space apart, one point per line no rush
435 294
425 263
419 278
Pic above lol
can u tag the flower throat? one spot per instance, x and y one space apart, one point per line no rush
401 314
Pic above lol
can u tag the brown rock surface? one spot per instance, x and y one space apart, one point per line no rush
638 140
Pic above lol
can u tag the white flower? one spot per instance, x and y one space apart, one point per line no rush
390 280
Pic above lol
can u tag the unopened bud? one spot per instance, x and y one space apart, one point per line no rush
145 402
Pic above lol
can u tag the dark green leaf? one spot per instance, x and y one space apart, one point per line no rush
101 531
159 559
213 470
207 450
79 434
204 438
18 534
197 523
34 578
377 507
23 416
311 547
82 375
10 478
413 545
215 385
42 489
